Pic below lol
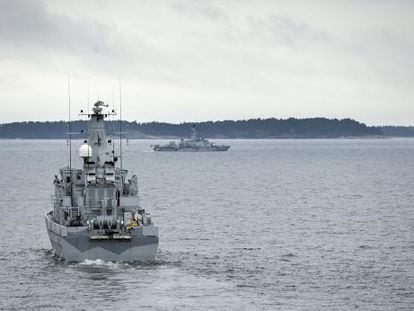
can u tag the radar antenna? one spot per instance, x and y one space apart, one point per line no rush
100 104
97 107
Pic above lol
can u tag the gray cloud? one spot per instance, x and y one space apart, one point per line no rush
200 9
214 59
29 24
283 31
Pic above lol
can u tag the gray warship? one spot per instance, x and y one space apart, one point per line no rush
96 212
194 144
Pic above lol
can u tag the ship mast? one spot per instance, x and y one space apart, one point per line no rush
120 122
113 124
69 128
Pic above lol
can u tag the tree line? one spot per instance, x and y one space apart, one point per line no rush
253 128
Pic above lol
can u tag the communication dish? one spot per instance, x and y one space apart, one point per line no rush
85 151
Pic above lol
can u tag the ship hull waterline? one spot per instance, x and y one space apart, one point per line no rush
166 149
73 244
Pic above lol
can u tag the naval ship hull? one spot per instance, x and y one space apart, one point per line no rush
180 149
73 244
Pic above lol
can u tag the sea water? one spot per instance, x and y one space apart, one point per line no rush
267 225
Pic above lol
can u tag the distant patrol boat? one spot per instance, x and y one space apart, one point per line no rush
195 143
96 212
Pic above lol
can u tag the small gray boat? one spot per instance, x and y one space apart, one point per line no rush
96 212
194 144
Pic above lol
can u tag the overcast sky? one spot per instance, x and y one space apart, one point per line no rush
193 60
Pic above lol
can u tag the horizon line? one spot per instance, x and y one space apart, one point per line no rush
218 120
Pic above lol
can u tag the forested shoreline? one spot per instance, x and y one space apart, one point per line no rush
251 129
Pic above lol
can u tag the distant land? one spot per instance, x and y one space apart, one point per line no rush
253 128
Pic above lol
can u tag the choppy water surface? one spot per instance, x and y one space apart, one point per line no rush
268 225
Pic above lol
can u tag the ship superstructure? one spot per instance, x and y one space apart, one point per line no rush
96 212
195 143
